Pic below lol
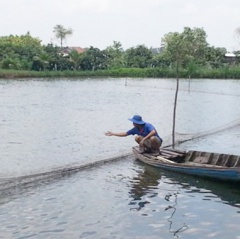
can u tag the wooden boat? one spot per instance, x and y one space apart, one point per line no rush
205 164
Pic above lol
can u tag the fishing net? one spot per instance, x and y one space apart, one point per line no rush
182 137
53 174
66 170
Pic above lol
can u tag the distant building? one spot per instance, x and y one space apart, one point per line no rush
66 50
231 55
230 58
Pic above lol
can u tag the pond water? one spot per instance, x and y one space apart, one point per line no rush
52 125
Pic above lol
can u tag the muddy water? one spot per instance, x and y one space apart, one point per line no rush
58 124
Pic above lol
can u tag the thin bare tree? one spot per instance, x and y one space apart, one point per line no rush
62 33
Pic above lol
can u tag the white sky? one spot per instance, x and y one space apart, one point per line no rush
131 22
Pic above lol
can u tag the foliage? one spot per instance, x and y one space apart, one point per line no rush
186 47
93 59
215 57
15 51
139 57
188 52
75 58
232 72
114 56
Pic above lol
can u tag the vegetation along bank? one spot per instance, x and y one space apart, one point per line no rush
186 55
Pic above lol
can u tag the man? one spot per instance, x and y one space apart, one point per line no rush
146 135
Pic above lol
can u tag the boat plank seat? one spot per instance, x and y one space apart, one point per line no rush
201 160
192 155
232 161
221 159
237 163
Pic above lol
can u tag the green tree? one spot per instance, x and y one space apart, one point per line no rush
214 57
139 57
182 49
114 55
62 33
185 47
75 58
93 59
11 63
161 60
41 62
21 48
54 56
176 50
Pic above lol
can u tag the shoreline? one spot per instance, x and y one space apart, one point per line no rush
221 73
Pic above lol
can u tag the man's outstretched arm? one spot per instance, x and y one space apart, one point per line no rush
120 134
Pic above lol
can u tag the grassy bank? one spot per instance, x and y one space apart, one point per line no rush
222 73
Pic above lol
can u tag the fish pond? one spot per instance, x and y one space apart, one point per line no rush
61 177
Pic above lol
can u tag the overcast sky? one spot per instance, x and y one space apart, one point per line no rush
131 22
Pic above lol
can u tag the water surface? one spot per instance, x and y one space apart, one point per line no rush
55 124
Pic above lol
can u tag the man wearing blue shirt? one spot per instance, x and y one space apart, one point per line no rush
146 135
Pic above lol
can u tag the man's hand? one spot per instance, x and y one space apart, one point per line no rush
109 133
141 142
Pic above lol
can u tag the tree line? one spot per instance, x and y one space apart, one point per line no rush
187 50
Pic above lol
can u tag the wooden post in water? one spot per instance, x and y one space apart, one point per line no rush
175 107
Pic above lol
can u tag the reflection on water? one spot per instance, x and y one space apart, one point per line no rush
169 189
223 192
173 208
146 183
